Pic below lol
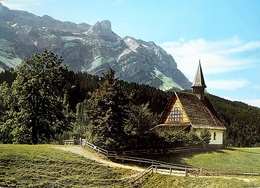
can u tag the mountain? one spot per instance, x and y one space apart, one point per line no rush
93 49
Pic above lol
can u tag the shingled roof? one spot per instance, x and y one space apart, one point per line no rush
200 113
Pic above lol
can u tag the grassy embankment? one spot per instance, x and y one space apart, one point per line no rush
232 159
44 166
229 159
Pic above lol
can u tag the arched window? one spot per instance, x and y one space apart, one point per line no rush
176 114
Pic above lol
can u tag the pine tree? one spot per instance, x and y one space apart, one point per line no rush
205 137
79 129
107 112
140 120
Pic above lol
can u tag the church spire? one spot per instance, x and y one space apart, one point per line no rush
199 83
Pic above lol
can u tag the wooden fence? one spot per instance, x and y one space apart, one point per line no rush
141 151
66 142
139 178
157 151
134 152
143 176
123 157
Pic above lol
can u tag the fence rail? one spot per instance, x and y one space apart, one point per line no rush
123 157
134 152
158 151
97 149
149 161
139 178
68 142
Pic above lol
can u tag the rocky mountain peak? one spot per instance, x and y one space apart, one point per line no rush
103 29
2 7
93 49
103 26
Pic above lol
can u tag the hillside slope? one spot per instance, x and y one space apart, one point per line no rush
241 120
45 166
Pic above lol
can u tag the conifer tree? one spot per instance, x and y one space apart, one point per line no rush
140 120
205 137
107 113
79 129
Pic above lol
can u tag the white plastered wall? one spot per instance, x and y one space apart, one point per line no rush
218 138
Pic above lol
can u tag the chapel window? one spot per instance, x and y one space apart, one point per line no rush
176 114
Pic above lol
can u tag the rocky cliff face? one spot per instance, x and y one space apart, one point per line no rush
93 49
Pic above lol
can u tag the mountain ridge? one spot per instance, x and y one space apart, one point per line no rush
88 48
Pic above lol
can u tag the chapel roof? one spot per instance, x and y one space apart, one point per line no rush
200 113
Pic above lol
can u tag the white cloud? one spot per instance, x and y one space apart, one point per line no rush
216 56
19 4
227 84
228 65
253 102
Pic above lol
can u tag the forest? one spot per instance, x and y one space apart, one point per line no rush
42 102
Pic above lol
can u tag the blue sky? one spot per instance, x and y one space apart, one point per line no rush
223 34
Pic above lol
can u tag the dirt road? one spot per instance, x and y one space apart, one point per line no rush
96 157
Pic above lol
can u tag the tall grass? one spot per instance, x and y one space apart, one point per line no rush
44 166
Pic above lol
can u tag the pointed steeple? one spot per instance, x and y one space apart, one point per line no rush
199 83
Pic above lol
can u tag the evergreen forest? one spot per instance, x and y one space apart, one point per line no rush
42 102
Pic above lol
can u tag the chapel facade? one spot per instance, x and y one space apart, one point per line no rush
192 112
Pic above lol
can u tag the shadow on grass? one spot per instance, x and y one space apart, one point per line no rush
177 158
243 150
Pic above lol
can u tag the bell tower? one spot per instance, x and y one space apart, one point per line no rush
199 85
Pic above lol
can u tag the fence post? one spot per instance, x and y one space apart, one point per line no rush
186 172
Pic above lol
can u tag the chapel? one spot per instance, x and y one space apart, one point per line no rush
192 112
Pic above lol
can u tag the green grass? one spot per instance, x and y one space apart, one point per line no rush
241 159
230 159
164 181
44 166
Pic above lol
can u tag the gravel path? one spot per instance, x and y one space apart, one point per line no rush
94 156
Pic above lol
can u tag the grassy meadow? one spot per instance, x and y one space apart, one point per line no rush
229 159
162 181
45 166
